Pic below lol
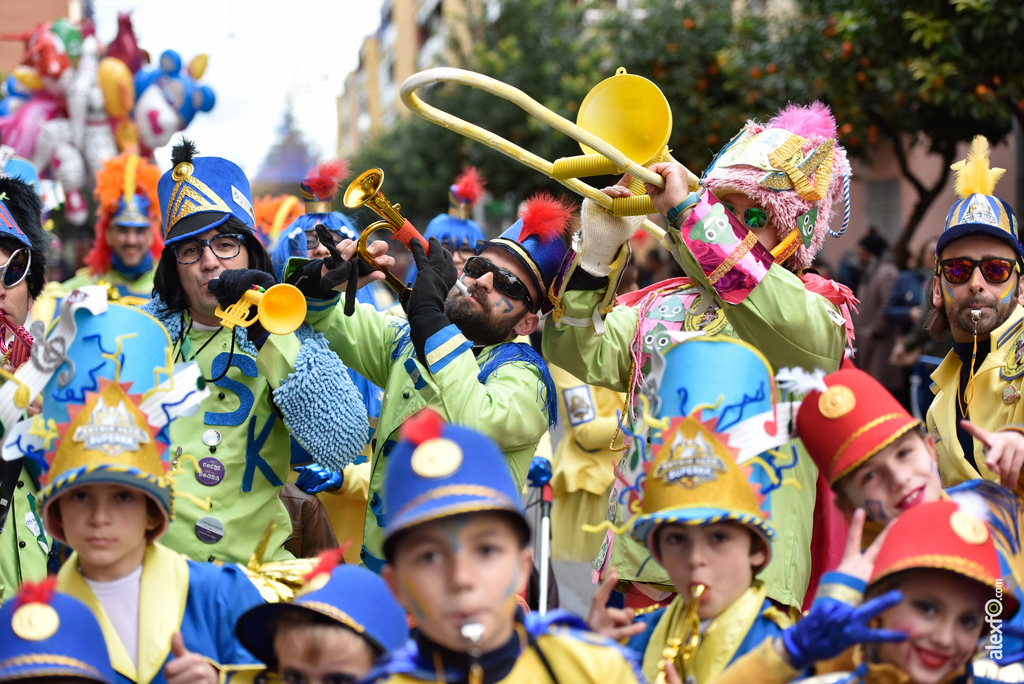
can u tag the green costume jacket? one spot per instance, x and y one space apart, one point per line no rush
24 544
504 391
235 451
595 339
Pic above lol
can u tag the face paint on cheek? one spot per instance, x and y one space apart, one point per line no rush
419 609
947 292
875 510
505 302
510 593
1006 295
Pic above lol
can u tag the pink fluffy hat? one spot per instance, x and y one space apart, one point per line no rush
795 168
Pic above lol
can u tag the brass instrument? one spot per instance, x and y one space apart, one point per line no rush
280 309
365 191
641 107
681 649
15 343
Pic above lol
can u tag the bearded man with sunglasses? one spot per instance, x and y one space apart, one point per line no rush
24 545
236 451
977 417
456 352
745 242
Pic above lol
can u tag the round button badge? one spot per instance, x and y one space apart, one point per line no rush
209 529
211 438
211 471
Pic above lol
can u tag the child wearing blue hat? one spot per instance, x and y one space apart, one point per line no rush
46 636
456 545
337 627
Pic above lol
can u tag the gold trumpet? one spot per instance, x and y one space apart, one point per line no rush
279 309
641 108
15 343
682 648
365 191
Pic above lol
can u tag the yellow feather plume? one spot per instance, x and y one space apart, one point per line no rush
973 175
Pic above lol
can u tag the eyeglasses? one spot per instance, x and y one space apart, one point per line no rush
753 217
312 239
960 269
222 246
506 282
16 268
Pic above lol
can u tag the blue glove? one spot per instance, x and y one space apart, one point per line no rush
830 627
314 479
540 472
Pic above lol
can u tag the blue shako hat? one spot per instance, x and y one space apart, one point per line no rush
439 470
977 211
47 635
454 228
351 596
318 189
200 193
535 240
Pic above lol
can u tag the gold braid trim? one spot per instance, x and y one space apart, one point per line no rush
875 423
956 564
330 611
456 490
742 250
782 157
46 659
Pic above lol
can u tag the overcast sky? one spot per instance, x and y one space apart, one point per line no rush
261 53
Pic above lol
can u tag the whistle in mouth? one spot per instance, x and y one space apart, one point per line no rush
975 315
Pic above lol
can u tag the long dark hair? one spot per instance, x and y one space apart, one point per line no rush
167 285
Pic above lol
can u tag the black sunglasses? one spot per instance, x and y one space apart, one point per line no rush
16 268
506 282
960 269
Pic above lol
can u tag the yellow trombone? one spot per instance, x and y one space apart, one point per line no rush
634 96
279 309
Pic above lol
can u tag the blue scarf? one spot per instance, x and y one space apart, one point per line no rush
129 272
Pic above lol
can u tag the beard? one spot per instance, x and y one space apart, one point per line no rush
991 318
480 326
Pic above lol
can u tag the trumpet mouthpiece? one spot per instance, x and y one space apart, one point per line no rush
697 590
461 287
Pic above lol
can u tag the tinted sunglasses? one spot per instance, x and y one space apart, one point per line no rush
960 269
16 268
505 282
753 217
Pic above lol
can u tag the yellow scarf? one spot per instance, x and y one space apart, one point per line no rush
162 599
720 640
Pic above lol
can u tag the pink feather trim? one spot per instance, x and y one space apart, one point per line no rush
807 121
545 216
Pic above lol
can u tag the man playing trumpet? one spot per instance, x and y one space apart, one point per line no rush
456 352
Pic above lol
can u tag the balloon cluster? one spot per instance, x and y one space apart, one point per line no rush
72 103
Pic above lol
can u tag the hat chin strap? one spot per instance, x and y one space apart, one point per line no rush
787 247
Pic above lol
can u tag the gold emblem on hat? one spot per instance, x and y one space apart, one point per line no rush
836 401
35 621
182 171
968 528
436 458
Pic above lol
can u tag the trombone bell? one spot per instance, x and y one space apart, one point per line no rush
280 309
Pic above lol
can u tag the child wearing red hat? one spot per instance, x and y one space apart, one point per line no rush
934 587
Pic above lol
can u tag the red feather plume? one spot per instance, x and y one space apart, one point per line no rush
328 560
323 180
427 424
469 185
545 216
37 592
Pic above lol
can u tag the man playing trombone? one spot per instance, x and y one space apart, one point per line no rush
456 352
745 242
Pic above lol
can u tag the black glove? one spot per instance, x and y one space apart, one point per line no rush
340 271
229 286
435 277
